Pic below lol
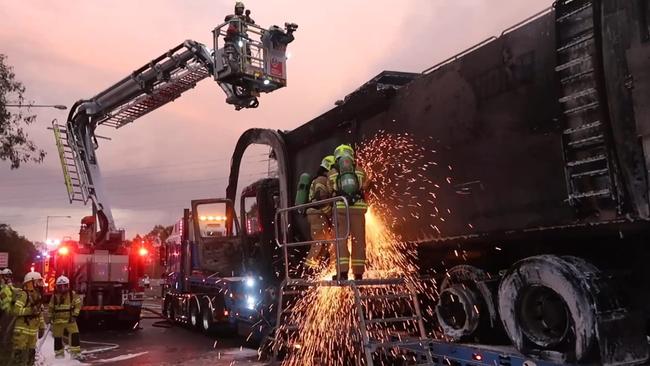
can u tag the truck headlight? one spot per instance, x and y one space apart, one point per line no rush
250 281
250 302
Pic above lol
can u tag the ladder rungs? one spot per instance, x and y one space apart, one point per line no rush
580 128
578 94
400 319
582 108
598 193
572 63
588 160
386 297
590 173
577 41
589 141
574 12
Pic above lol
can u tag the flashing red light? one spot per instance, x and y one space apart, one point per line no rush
477 357
64 251
143 251
226 313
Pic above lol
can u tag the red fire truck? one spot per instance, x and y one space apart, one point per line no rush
107 280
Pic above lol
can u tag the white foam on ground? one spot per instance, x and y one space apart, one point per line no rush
45 356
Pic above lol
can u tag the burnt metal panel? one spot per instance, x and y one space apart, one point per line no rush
617 28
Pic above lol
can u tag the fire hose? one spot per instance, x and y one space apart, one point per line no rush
163 323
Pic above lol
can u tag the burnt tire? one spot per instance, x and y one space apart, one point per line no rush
545 304
466 308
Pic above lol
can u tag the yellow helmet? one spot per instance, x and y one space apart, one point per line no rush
327 162
343 150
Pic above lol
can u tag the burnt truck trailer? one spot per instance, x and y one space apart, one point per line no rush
546 128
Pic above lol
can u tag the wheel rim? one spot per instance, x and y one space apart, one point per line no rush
457 311
544 316
193 317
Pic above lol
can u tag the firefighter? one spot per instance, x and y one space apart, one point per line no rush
319 218
347 180
64 309
6 320
29 325
6 290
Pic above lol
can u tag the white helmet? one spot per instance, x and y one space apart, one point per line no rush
32 276
62 280
6 272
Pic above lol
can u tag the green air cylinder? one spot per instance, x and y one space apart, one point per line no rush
302 193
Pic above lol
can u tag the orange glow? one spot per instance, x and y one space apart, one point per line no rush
64 251
143 251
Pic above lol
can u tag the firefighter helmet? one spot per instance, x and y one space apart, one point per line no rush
6 272
327 162
239 4
343 150
239 8
62 280
33 276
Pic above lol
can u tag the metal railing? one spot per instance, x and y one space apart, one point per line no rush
251 51
284 220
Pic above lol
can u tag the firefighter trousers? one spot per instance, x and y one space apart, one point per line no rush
24 340
320 228
59 330
358 238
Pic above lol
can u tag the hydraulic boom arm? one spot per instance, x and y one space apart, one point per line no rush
243 68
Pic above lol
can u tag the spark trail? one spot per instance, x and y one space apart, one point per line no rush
325 316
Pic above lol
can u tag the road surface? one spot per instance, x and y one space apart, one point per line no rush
153 345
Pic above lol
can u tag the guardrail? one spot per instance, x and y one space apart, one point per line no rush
284 244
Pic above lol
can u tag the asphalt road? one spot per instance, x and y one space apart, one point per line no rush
175 345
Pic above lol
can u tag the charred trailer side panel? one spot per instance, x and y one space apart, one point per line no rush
545 129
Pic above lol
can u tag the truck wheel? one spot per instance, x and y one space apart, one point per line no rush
466 307
545 304
195 316
170 314
207 323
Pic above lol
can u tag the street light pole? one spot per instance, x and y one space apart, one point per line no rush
57 106
47 223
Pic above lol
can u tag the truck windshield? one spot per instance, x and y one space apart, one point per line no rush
212 219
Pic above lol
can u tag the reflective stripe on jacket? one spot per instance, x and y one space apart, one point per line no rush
63 306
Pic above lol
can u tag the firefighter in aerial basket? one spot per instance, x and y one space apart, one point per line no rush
319 218
346 179
64 309
29 326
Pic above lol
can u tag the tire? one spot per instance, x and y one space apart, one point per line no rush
545 304
207 323
195 314
170 313
466 309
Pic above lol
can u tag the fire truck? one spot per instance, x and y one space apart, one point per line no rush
106 280
246 60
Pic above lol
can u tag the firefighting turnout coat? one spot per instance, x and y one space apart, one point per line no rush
64 307
29 319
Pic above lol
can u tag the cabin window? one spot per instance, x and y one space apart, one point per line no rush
251 216
644 20
213 221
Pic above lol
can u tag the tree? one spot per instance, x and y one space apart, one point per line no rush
15 145
21 251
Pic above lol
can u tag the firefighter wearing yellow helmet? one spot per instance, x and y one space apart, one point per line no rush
348 180
29 325
64 309
319 218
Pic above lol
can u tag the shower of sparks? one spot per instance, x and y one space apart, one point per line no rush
321 325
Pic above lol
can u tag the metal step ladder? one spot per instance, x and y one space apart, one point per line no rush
587 156
382 305
74 173
162 93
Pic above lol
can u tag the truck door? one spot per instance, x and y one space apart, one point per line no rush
215 243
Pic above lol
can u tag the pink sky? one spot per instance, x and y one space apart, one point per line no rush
69 50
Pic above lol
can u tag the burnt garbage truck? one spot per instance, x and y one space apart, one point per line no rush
546 127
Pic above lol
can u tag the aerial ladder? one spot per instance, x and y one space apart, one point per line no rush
245 61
